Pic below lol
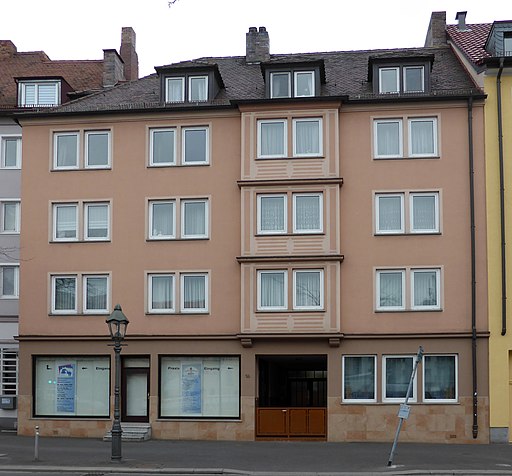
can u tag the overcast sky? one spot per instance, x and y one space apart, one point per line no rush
81 29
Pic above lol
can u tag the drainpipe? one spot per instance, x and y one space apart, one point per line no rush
502 206
473 267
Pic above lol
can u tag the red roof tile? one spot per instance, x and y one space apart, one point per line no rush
471 41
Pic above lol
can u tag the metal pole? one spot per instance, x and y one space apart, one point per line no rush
36 445
407 395
116 425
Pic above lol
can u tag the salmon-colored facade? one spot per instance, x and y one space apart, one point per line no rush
292 336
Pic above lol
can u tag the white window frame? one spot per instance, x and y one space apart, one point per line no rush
413 396
411 212
411 120
378 274
170 310
54 220
285 213
320 136
17 218
437 272
204 310
174 78
85 278
309 73
404 72
442 400
87 205
378 230
152 236
192 77
285 139
22 92
359 400
3 151
288 73
152 131
322 290
56 135
184 145
400 139
16 267
320 212
183 202
261 272
387 68
54 294
109 149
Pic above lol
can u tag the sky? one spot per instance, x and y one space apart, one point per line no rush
169 32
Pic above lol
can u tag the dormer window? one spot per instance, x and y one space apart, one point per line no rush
197 88
39 93
282 86
507 44
398 79
188 87
175 90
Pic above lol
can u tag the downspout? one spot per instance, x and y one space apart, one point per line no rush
502 206
473 267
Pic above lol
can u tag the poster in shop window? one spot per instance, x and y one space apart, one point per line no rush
191 389
66 388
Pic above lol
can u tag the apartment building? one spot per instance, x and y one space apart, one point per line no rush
282 231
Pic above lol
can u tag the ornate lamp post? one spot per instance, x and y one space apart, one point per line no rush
117 323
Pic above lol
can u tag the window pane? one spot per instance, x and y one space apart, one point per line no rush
30 94
388 80
194 292
65 294
388 139
11 217
507 45
389 213
163 147
66 221
96 293
425 289
304 84
440 382
198 89
280 85
195 146
424 213
307 137
359 378
9 286
307 213
97 221
162 219
10 151
272 292
67 150
47 94
194 221
398 374
308 290
175 90
272 214
422 137
390 289
97 149
413 79
272 139
162 291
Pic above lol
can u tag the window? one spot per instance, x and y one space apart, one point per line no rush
162 147
39 93
175 90
421 139
161 292
9 276
396 375
422 216
281 85
406 79
10 210
193 87
423 286
96 221
200 387
272 287
64 294
389 80
272 214
65 221
507 44
307 213
195 145
194 218
272 141
440 378
162 219
359 378
307 135
72 386
413 79
97 149
8 371
308 289
304 83
95 294
66 150
10 152
197 88
194 292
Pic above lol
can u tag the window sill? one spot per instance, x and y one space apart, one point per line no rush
367 402
295 157
80 169
157 240
274 234
409 157
80 241
401 311
170 314
288 311
423 233
79 314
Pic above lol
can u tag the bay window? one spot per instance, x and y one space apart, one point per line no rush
307 213
307 135
272 138
308 289
272 216
272 290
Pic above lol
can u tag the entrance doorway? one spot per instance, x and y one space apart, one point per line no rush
135 390
292 397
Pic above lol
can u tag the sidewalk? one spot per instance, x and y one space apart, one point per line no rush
252 458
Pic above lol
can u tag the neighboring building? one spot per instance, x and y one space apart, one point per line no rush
486 51
30 81
282 231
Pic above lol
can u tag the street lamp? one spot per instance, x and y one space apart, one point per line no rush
117 323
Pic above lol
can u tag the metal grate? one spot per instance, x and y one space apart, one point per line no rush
9 371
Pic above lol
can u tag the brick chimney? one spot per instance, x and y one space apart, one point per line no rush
436 33
461 21
257 45
113 68
7 49
129 54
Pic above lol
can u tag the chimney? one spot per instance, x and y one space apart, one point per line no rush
113 68
7 49
257 45
461 19
129 54
436 33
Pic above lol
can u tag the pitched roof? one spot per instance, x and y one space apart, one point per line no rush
346 75
471 41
